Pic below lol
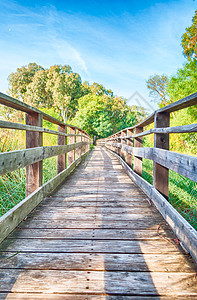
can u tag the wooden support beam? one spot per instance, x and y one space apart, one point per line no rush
129 143
119 141
138 142
34 139
61 140
160 173
78 150
122 152
71 154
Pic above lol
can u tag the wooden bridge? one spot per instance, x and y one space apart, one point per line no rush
102 232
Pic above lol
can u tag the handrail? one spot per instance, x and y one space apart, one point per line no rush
18 105
178 105
73 144
128 143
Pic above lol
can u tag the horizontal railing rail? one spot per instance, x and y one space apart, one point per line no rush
127 146
73 144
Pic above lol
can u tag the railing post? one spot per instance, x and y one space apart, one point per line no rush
86 146
138 142
121 150
78 140
34 139
61 140
129 143
160 173
71 154
119 141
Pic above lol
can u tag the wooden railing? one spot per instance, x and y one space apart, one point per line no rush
129 142
73 146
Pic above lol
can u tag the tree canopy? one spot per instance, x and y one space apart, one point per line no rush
189 39
90 106
103 115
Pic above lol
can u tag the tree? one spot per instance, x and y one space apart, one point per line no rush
66 88
184 82
36 92
58 87
189 40
157 85
103 115
19 80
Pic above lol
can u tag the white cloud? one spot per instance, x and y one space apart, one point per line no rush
68 53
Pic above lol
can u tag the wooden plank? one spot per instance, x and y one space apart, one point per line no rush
93 246
14 160
33 139
65 296
96 234
15 215
117 283
126 211
94 203
161 173
183 230
150 223
61 159
91 217
172 262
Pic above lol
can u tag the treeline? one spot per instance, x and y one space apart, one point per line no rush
165 90
60 92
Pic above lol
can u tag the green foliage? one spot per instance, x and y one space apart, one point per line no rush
19 80
189 39
103 114
181 85
184 82
182 192
58 87
60 91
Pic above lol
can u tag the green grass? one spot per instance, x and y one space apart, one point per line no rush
12 185
182 192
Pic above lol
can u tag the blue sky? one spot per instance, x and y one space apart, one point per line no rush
116 43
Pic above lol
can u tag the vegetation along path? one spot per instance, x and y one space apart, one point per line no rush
97 237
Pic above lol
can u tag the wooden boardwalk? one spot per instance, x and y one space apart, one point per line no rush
97 237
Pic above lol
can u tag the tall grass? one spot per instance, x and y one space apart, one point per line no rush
12 185
182 192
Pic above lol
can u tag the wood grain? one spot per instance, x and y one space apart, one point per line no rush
96 237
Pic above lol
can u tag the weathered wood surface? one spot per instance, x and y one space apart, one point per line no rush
103 241
180 104
183 164
184 231
15 215
13 160
33 140
18 126
85 296
161 141
16 104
